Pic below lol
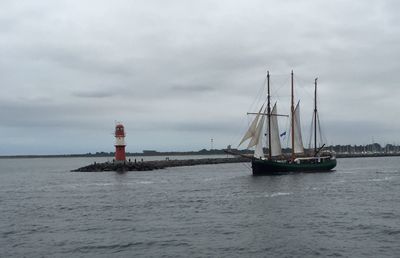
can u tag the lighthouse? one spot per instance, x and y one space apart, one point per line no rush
119 143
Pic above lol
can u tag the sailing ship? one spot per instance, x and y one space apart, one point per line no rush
275 162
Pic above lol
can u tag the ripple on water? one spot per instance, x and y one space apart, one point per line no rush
204 211
113 247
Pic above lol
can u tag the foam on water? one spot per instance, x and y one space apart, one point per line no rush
277 194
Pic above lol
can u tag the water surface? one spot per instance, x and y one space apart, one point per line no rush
201 211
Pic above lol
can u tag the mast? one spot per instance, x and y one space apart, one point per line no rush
269 120
315 118
292 115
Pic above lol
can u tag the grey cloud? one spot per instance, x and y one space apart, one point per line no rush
191 88
81 58
93 94
192 68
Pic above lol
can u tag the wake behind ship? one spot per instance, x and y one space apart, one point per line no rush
317 160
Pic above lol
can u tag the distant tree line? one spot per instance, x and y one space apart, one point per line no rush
339 149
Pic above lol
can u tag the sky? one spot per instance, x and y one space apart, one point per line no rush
178 73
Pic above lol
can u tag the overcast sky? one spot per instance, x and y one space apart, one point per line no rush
178 73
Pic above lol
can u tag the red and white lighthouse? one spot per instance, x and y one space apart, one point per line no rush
119 143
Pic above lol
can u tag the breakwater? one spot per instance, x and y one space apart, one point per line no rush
157 164
161 164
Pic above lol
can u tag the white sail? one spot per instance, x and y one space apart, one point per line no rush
276 149
298 142
258 135
258 150
252 129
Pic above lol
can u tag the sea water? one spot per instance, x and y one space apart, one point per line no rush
200 211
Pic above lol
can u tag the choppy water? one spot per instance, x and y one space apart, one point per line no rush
201 211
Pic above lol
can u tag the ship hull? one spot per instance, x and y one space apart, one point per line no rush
268 167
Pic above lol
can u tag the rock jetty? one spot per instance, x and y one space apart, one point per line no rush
158 164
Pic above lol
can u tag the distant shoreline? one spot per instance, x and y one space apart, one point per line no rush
190 153
128 154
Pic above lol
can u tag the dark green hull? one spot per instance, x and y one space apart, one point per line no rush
268 167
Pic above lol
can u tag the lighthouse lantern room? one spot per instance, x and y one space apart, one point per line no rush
120 143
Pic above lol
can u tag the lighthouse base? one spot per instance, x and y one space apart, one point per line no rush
120 153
